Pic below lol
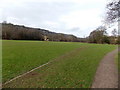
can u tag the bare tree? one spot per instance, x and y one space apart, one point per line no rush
114 33
113 11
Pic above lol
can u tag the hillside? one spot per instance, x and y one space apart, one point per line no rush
20 32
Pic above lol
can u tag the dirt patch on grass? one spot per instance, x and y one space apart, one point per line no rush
32 74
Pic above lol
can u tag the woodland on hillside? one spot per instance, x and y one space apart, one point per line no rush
17 32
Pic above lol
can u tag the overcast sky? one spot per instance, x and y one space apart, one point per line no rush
77 17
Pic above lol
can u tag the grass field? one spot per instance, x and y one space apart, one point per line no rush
74 64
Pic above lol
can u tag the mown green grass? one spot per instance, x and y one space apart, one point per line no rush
21 56
76 69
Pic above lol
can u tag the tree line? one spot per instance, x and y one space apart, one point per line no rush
112 16
17 32
101 36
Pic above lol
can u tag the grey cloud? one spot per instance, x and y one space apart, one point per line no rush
75 29
37 12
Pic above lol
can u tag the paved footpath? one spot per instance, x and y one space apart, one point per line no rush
107 73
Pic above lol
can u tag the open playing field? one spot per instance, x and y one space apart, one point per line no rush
74 64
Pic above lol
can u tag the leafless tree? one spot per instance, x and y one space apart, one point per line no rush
113 11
